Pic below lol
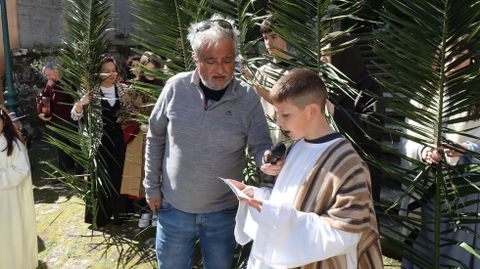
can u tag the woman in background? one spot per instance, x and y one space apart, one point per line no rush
18 237
112 98
141 106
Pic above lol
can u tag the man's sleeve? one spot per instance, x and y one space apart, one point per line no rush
155 146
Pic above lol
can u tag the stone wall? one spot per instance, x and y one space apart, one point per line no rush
41 23
28 82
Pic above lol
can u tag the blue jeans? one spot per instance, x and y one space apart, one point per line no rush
177 232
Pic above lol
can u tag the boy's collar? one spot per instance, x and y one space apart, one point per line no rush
325 138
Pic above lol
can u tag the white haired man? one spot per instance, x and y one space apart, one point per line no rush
198 131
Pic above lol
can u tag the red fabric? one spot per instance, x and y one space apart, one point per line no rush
130 131
60 101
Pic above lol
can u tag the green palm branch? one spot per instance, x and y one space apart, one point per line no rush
83 45
417 45
163 25
164 32
312 30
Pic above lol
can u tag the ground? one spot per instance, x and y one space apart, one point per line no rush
65 241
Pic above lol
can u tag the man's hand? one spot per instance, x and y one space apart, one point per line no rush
42 117
155 204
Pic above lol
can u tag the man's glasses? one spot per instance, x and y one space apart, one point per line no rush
205 25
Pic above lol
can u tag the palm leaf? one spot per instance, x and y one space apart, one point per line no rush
417 46
162 27
83 44
309 28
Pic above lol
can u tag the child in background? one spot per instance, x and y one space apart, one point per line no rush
18 243
320 212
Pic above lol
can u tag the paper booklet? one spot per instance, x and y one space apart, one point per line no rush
236 191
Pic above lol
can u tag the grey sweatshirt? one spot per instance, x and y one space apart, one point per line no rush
189 147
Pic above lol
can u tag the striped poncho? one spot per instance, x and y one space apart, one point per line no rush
338 190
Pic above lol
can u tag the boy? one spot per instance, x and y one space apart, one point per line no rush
320 211
268 73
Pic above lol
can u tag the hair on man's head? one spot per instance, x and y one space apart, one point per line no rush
267 24
300 86
211 31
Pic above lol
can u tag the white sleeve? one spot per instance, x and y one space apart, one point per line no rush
292 238
18 170
75 115
245 227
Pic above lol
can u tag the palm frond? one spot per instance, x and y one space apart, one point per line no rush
162 27
83 45
421 45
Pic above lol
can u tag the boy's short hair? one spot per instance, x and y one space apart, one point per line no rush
266 26
300 86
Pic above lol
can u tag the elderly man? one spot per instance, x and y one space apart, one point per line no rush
199 129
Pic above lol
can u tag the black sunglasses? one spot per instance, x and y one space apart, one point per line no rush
207 24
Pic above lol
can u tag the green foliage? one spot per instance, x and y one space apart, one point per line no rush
416 43
83 45
420 44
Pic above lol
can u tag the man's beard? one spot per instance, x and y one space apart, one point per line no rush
213 87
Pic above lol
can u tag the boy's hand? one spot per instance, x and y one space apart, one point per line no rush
269 168
257 204
248 190
272 169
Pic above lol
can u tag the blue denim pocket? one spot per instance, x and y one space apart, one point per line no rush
165 206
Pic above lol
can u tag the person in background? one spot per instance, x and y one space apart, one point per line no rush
58 113
359 117
18 243
132 67
319 213
112 97
198 131
268 73
150 63
135 132
461 147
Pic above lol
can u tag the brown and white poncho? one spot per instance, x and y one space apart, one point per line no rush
319 215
